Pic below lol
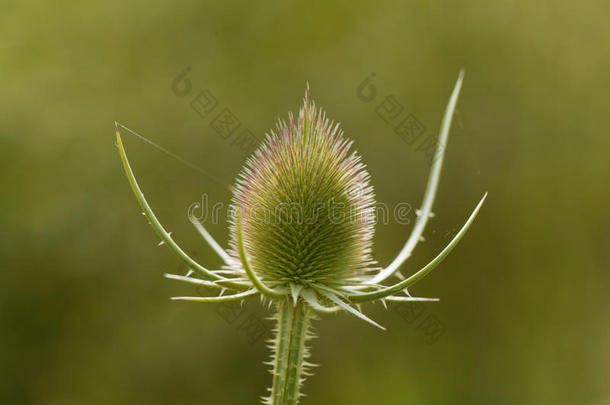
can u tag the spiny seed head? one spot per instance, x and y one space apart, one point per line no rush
305 205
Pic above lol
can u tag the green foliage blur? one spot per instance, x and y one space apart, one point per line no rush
85 315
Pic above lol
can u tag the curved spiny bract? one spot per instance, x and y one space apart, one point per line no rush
306 205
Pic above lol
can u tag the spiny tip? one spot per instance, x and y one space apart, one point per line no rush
117 132
307 94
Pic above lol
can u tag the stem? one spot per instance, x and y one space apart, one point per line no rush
292 332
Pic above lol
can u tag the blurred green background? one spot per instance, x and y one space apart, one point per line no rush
84 311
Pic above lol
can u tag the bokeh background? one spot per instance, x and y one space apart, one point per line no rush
84 311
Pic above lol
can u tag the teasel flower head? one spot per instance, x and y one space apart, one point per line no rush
301 236
306 207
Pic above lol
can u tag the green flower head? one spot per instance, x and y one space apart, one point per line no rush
306 207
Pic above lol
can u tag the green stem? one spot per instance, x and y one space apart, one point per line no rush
292 332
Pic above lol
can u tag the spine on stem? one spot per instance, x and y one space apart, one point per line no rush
289 360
